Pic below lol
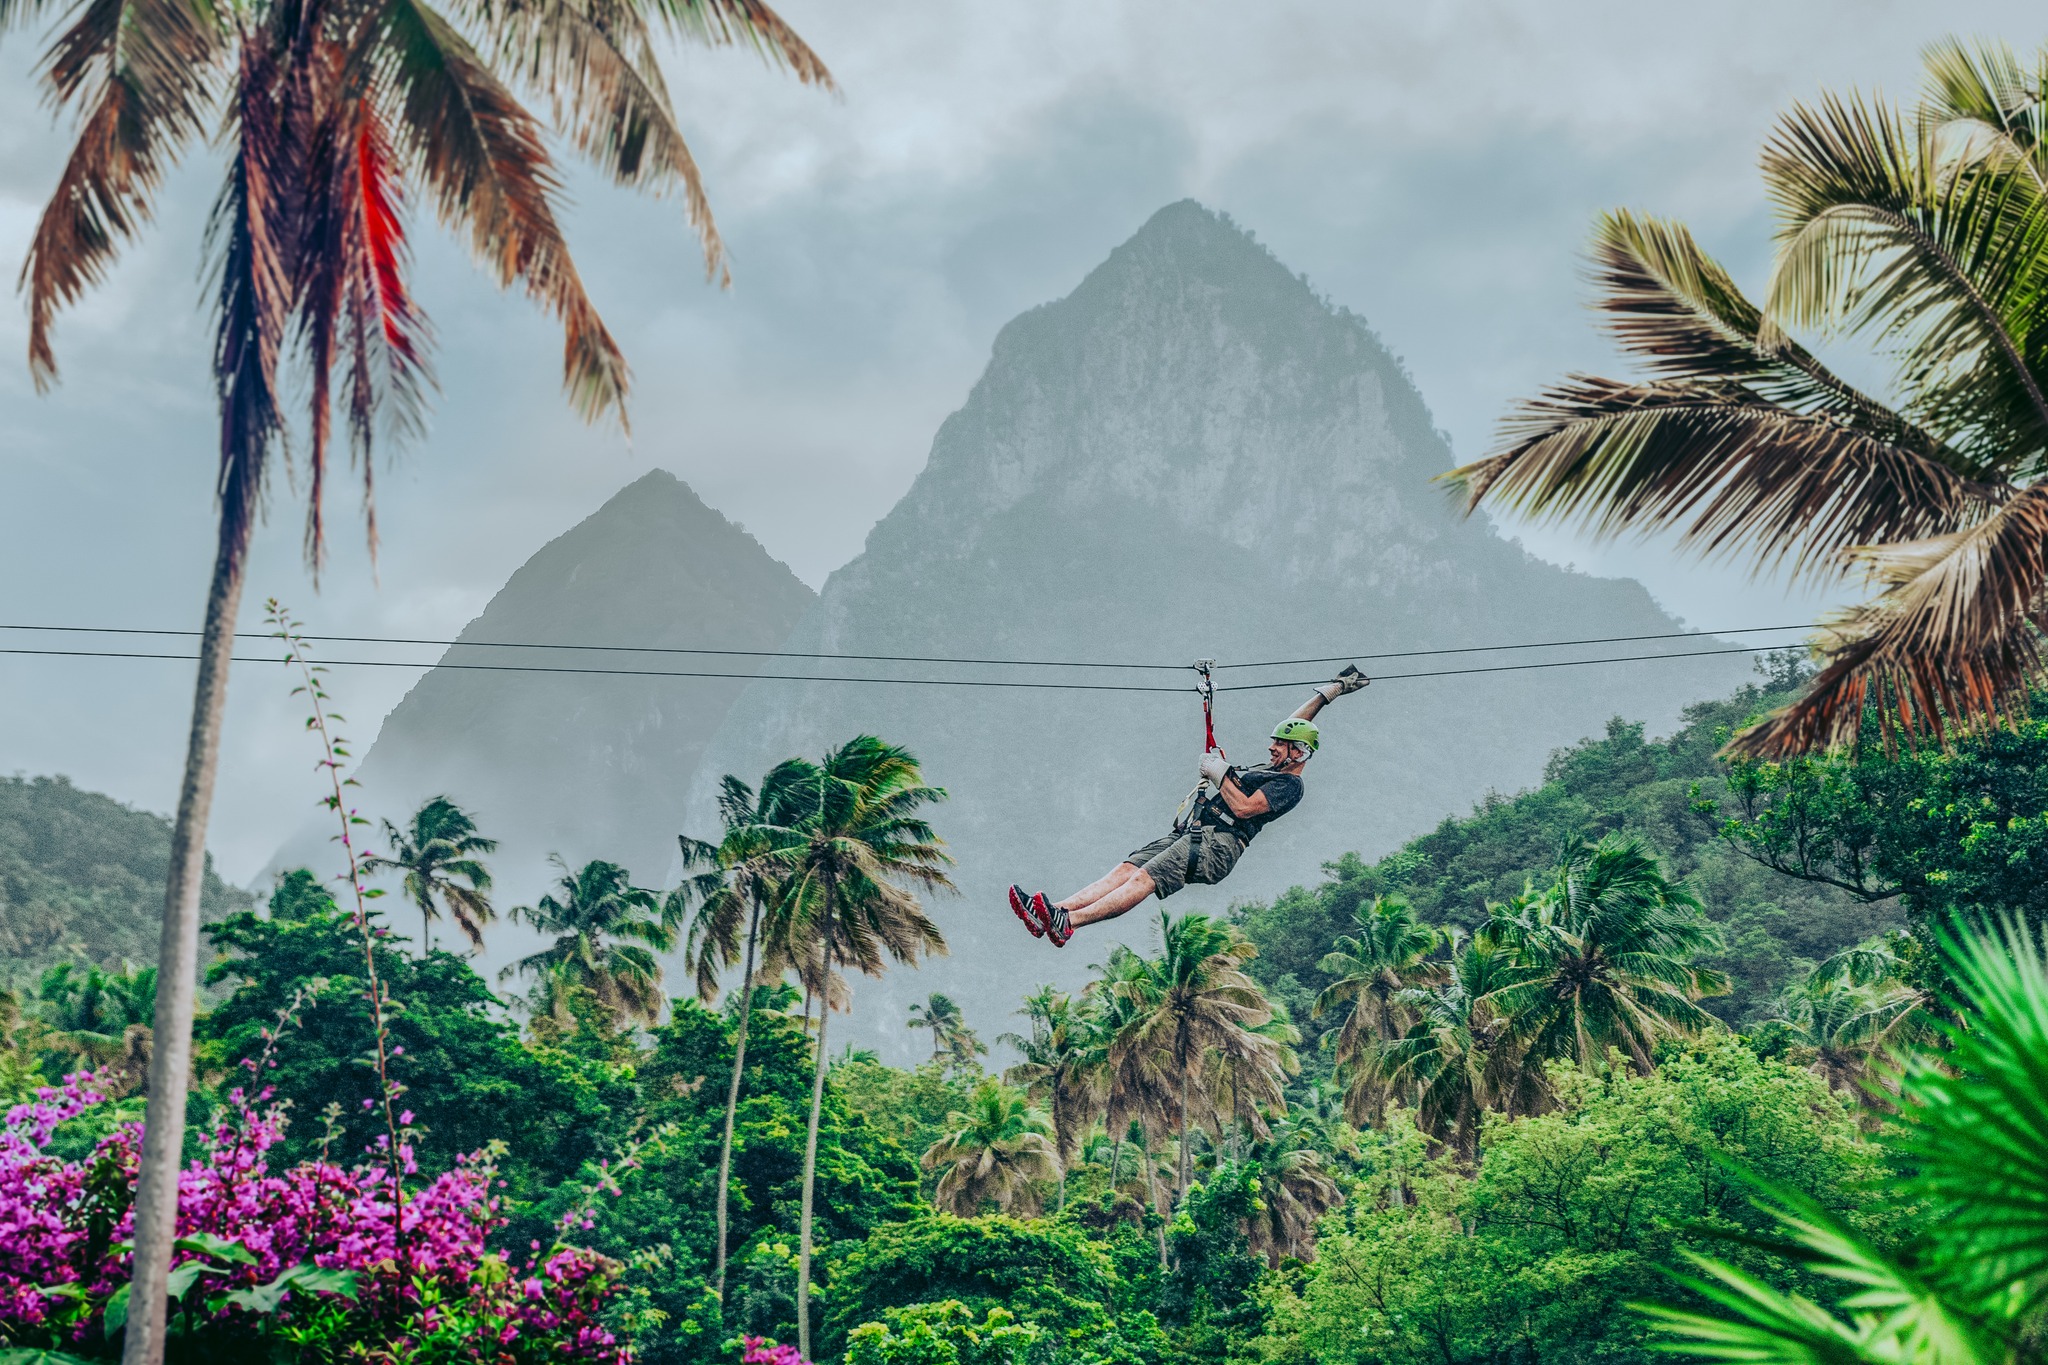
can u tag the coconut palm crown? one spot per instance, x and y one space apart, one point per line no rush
438 857
1459 1056
1603 957
997 1151
608 934
850 852
1388 955
1924 236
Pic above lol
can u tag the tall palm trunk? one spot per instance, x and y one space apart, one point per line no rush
170 1063
1158 1201
1181 1194
803 1255
732 1094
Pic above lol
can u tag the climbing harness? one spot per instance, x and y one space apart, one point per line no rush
1205 688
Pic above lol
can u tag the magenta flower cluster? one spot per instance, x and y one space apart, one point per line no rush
762 1351
419 1281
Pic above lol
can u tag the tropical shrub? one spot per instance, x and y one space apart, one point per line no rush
1571 1215
948 1334
313 1261
1046 1274
1970 1286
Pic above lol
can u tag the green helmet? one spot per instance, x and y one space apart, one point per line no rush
1298 731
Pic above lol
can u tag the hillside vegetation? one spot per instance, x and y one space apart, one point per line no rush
82 878
1774 928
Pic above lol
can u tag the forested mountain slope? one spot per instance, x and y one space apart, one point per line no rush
82 878
1774 926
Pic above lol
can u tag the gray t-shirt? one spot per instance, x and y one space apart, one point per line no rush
1283 793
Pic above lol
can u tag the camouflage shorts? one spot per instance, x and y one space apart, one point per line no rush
1214 852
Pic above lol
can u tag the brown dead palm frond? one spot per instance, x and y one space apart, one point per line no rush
1926 237
141 76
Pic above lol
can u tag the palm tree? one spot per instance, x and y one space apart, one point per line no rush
731 881
1853 1009
1388 956
333 118
1846 1027
1969 1152
1603 957
1194 999
844 837
1926 237
607 934
952 1040
438 856
1459 1057
1242 1090
1064 1069
102 1018
1295 1190
997 1152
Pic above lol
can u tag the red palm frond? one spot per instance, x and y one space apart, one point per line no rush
355 309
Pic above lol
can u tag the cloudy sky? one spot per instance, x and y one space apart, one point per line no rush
1432 166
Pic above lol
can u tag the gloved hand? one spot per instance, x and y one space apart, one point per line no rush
1214 766
1350 680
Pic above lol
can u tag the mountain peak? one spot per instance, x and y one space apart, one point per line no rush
573 763
1189 455
1192 234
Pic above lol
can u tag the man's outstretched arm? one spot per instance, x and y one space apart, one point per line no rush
1350 680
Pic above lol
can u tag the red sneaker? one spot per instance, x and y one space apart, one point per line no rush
1020 906
1051 919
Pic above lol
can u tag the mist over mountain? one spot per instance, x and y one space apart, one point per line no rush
585 766
1191 455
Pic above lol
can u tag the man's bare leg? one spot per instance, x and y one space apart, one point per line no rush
1100 887
1124 896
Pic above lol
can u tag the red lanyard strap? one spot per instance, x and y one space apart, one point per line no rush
1207 688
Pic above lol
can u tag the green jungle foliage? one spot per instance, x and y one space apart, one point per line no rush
1409 1175
82 879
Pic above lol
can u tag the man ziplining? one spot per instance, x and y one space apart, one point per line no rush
1215 836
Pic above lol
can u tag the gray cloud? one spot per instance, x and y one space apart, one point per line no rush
1434 167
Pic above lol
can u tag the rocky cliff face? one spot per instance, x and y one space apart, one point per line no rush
585 766
1190 455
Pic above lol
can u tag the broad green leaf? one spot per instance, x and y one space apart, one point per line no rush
117 1311
219 1248
316 1279
17 1355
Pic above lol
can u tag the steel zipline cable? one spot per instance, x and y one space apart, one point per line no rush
869 658
902 682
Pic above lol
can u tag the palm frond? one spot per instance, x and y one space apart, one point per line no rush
596 61
1951 640
1947 268
142 74
485 164
250 238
